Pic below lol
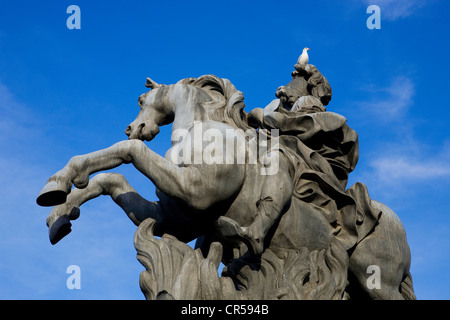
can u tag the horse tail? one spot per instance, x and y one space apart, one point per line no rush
406 288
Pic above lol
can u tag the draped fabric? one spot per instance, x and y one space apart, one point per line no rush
322 150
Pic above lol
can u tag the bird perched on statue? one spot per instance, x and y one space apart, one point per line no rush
303 59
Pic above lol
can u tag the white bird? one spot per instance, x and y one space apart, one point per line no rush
303 59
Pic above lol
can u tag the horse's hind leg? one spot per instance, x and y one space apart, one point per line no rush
113 184
380 262
377 274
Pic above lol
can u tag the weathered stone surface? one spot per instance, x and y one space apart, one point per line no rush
264 193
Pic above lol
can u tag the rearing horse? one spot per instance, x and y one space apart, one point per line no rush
191 104
194 194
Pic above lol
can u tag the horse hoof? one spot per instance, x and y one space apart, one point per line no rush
59 229
52 194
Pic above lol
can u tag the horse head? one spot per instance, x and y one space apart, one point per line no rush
152 114
198 99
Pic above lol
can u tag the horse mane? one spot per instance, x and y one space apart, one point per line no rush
228 102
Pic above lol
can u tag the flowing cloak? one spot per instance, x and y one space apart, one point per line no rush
322 150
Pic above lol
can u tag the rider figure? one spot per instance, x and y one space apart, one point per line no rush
277 188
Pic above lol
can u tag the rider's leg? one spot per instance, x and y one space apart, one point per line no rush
275 195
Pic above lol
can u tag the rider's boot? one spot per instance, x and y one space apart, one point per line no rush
253 235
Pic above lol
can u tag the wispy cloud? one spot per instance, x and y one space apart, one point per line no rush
390 101
404 165
409 168
397 9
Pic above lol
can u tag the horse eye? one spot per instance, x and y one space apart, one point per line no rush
140 102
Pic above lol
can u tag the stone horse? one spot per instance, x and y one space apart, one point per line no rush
303 257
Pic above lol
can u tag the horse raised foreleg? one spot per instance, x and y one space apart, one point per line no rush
185 183
77 172
112 184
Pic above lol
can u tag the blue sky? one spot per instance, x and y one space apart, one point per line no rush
67 92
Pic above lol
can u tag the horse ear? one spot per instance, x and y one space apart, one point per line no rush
152 84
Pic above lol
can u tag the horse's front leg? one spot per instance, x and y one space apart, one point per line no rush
115 185
187 184
78 170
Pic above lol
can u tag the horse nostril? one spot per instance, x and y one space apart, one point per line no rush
128 130
140 129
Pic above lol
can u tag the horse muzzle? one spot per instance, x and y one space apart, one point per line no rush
144 131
